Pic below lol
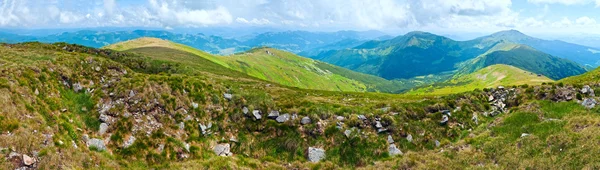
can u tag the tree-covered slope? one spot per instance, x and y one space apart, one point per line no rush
526 58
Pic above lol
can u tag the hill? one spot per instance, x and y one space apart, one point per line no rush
267 64
526 58
488 77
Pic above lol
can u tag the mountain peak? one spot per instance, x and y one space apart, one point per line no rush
509 33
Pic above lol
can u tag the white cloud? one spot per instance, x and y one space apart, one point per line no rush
585 21
564 2
172 14
254 21
67 17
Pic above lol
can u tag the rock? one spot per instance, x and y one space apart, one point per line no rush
129 142
194 105
362 117
228 96
233 139
393 150
500 87
390 140
524 134
187 147
340 118
446 112
589 103
305 120
97 69
96 143
28 161
74 144
457 109
256 114
222 149
105 118
181 125
205 128
409 138
347 132
378 125
131 93
474 118
381 130
437 143
491 98
161 147
36 92
283 118
273 114
444 120
103 128
77 87
85 138
315 154
586 89
245 110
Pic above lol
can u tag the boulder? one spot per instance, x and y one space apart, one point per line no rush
305 120
348 132
256 114
340 118
228 96
315 154
586 89
103 128
96 143
194 105
131 93
28 161
77 87
245 110
283 118
222 149
362 117
589 103
409 138
273 114
444 120
378 125
437 143
390 140
393 150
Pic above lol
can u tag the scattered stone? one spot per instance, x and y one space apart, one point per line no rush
131 93
161 147
228 96
28 161
96 143
444 120
36 92
315 154
501 87
74 144
524 134
409 138
205 128
305 120
97 68
273 114
390 140
491 98
194 105
586 89
589 103
181 125
245 110
474 118
378 125
283 118
129 142
446 112
187 147
103 128
256 114
458 109
233 139
347 132
362 117
437 143
393 150
340 118
381 130
77 87
222 149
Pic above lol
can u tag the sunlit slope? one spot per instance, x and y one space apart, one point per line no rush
264 63
488 77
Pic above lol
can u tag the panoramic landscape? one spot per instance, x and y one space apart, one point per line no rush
281 84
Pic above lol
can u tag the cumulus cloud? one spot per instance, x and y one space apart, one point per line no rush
585 21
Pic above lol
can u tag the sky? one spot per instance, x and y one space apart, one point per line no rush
391 16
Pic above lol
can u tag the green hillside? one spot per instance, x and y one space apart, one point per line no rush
526 58
265 63
488 77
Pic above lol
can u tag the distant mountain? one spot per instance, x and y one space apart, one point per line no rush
489 77
587 56
526 58
421 53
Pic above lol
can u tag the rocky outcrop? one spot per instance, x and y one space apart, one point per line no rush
393 150
273 114
222 150
283 118
589 103
96 143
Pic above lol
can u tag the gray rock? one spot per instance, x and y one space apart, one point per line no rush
28 161
77 87
283 118
222 149
393 150
233 139
444 120
228 96
340 118
131 93
390 140
245 110
305 120
362 117
103 128
589 103
181 125
129 142
500 87
96 143
378 125
409 138
524 134
382 130
437 143
475 119
586 89
491 98
273 114
187 147
347 132
194 105
256 114
315 154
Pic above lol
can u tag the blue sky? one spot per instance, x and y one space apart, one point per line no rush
396 16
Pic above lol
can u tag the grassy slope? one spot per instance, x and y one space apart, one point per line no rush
281 67
488 77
